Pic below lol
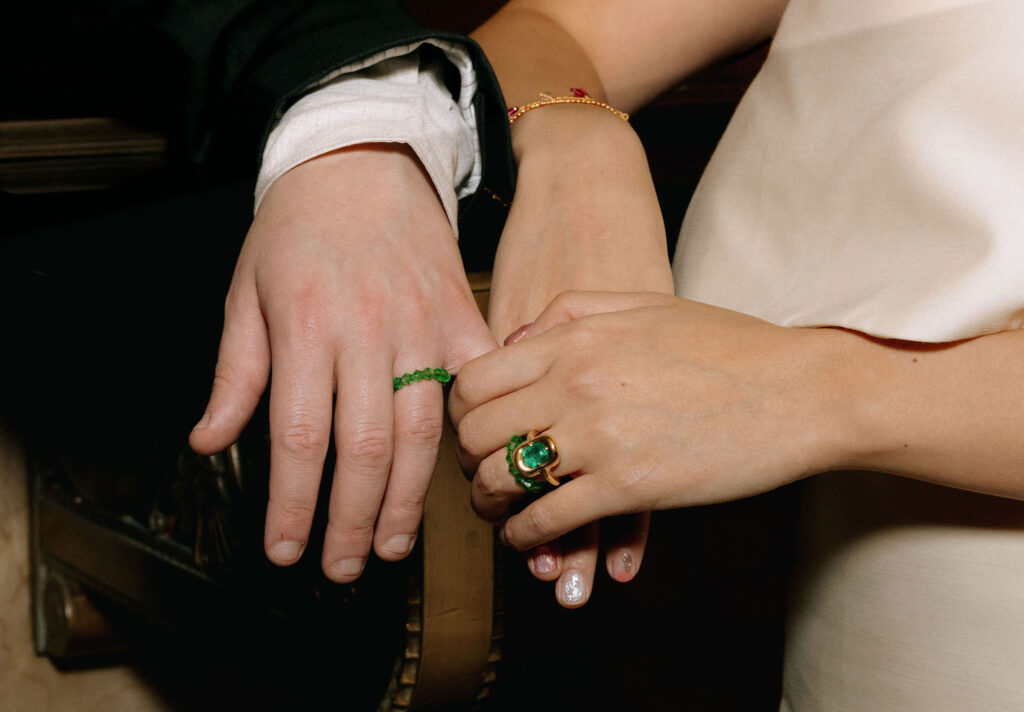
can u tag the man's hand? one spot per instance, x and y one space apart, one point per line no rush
349 276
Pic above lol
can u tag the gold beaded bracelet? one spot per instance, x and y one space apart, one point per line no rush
578 97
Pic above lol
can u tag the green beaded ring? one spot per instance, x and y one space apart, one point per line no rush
427 374
530 460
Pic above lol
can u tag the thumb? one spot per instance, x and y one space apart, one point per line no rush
474 339
243 366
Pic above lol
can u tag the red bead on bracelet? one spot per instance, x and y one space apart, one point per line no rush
579 96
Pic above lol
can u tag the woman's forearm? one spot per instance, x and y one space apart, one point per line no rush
951 414
623 52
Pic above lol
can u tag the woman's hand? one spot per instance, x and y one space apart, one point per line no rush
585 216
349 276
655 402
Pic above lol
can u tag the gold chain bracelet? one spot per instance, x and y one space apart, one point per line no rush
578 97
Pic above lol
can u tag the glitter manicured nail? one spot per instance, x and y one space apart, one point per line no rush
571 589
622 567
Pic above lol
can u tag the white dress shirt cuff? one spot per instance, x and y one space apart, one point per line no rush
396 96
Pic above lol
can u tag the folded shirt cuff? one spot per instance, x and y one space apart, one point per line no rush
396 96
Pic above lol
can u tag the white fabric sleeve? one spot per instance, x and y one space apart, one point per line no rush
396 96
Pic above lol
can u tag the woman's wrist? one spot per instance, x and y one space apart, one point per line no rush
581 153
868 400
584 184
946 413
842 403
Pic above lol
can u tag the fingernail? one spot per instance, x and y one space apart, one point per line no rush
622 567
543 560
502 539
347 568
285 552
571 589
203 422
517 334
400 544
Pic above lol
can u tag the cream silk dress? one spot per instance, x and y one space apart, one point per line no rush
873 178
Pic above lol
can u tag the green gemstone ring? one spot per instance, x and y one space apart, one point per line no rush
530 461
427 374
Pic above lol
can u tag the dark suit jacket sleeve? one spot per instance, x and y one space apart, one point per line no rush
228 69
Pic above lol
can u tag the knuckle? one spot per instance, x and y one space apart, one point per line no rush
606 426
292 512
350 531
487 485
423 428
406 507
583 382
304 440
367 447
585 333
635 478
487 505
470 434
534 520
564 301
308 307
376 302
480 506
638 484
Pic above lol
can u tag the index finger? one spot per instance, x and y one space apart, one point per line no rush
521 363
494 374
